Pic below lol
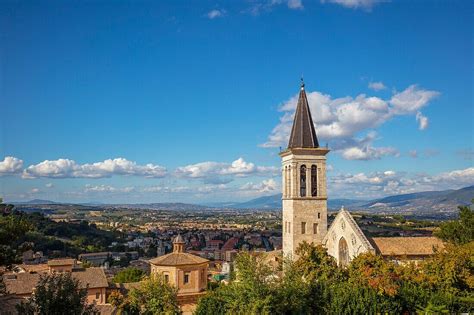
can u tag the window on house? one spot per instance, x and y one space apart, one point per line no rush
186 278
315 228
97 296
303 227
167 278
314 181
303 181
319 215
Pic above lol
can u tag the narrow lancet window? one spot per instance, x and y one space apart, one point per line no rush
314 181
288 182
303 181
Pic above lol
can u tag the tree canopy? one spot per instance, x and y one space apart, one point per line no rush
129 275
314 284
57 294
459 231
153 296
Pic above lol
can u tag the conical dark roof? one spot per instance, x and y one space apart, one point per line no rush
303 133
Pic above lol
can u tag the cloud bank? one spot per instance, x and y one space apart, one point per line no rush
349 123
65 168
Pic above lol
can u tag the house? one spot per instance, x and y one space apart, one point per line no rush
22 285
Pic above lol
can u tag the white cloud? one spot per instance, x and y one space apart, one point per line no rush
389 182
368 153
355 4
65 168
257 7
216 13
211 170
269 185
295 4
377 86
422 121
106 189
411 100
340 121
10 166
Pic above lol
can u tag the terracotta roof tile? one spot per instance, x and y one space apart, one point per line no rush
61 262
24 283
178 258
400 246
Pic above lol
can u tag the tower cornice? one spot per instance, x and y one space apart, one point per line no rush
305 151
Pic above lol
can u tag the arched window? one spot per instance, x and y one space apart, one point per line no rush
303 181
314 181
288 182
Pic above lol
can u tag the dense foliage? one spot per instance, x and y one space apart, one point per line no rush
57 294
459 231
153 296
21 231
314 284
128 275
13 228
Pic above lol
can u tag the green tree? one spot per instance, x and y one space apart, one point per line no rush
13 226
458 231
129 275
153 296
57 294
252 292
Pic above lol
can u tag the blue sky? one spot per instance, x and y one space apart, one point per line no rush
190 100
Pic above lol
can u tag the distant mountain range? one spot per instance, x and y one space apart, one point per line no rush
415 203
422 203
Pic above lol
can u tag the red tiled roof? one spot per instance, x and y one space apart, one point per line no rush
178 258
411 246
24 283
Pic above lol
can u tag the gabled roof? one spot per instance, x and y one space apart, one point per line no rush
178 259
303 133
352 226
24 283
409 246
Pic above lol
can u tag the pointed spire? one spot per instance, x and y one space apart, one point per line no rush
303 133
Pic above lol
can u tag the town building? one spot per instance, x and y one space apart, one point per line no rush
187 272
20 285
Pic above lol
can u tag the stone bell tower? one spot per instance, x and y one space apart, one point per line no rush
304 183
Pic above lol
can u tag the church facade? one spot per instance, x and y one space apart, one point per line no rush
304 204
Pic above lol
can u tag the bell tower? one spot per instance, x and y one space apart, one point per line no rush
304 195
